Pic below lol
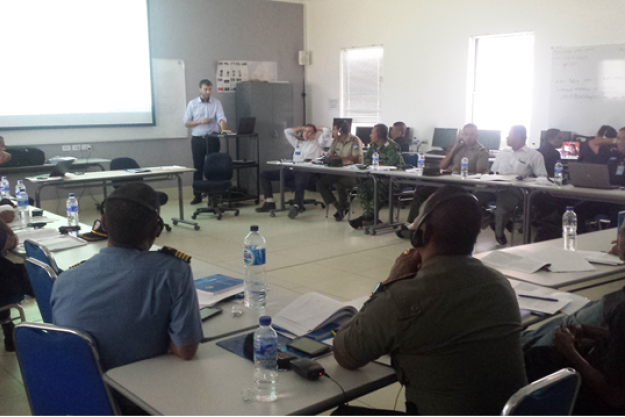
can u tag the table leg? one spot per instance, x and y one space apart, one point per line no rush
281 188
176 220
527 216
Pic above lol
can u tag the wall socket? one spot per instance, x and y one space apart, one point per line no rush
85 147
75 147
66 148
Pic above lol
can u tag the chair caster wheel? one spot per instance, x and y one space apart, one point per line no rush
196 227
367 231
272 214
175 223
194 217
373 232
219 217
168 228
236 213
323 206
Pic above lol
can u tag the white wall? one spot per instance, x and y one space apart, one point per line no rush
426 49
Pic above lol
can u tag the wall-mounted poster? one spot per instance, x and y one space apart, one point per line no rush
229 73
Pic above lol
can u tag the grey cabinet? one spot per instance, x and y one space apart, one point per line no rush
272 105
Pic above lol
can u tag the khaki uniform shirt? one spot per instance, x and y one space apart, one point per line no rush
477 155
389 153
352 146
453 333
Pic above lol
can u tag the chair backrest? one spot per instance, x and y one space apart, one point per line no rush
553 395
61 371
41 253
42 279
218 167
123 163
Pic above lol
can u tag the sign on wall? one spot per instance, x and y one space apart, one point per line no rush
229 73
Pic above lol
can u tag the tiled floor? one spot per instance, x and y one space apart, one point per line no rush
309 253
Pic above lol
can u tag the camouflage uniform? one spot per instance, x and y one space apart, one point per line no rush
390 155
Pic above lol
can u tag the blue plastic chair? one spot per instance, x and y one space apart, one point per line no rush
42 278
41 253
553 395
61 371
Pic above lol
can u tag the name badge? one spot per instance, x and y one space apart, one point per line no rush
620 169
356 146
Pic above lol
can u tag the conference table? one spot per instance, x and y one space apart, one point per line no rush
81 163
110 178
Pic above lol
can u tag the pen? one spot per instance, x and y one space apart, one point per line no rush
333 333
533 297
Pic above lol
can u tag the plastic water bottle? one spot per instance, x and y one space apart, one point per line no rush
557 174
569 228
420 164
266 361
19 187
72 210
375 160
22 204
464 167
255 286
5 187
298 153
414 145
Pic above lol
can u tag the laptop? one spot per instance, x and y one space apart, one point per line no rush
590 176
246 126
59 170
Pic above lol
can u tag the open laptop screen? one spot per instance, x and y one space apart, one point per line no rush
569 150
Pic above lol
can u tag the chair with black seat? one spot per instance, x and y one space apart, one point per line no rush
124 163
311 186
42 278
217 182
61 371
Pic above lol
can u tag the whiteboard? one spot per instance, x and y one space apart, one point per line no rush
168 80
587 88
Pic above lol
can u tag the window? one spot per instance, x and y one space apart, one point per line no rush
501 82
361 84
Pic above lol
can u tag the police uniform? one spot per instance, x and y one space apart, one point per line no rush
131 302
390 155
453 333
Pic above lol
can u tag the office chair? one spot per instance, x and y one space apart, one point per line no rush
61 371
553 395
42 279
290 186
218 181
41 253
124 163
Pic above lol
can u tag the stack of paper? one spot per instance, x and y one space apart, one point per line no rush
556 259
215 288
601 258
493 177
546 300
500 259
50 238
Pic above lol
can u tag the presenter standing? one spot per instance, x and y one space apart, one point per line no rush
206 116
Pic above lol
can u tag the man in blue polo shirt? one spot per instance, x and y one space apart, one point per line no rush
135 303
206 116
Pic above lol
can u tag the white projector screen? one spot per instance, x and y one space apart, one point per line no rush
74 63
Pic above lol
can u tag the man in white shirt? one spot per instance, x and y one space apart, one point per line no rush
517 160
308 143
206 116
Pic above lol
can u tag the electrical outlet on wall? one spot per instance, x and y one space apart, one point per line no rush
66 148
86 147
75 147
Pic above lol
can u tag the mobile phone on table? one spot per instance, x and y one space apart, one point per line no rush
208 312
308 346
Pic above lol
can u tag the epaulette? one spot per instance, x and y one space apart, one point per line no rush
175 253
381 286
79 263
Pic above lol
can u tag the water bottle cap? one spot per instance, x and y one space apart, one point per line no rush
569 208
264 321
71 195
253 228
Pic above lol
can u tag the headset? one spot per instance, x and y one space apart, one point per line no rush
418 237
160 224
340 129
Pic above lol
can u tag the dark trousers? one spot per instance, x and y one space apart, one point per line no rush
14 284
343 186
506 201
200 147
420 196
298 180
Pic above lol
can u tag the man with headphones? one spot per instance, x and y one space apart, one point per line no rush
134 302
348 149
389 154
451 325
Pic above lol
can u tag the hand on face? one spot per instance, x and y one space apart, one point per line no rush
407 263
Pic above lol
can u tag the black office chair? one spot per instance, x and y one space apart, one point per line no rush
129 163
218 181
290 186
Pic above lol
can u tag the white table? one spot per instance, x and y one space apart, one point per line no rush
108 178
595 241
211 384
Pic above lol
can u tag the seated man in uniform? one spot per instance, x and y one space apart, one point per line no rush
134 302
14 282
398 134
308 144
617 161
517 160
451 325
466 145
389 155
553 141
4 155
347 148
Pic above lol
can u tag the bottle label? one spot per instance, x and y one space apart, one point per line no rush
253 256
72 208
265 350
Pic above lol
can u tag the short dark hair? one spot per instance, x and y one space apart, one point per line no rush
471 125
607 132
454 223
311 126
344 126
381 130
521 130
205 82
552 134
131 214
401 126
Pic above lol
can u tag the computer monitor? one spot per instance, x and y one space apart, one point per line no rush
490 139
570 150
444 137
363 133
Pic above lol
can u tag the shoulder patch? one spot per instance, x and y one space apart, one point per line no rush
175 253
79 263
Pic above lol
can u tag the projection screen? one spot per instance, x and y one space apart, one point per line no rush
74 63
